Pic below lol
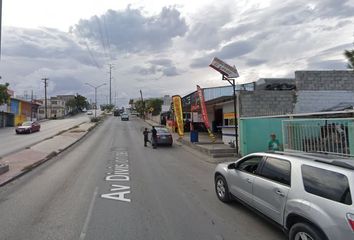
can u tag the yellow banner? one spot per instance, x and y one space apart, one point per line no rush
177 108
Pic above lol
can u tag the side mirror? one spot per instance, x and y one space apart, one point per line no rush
231 166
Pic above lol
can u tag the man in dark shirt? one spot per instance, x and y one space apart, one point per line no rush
154 137
146 137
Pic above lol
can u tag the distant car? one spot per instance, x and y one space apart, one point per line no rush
89 112
28 127
116 113
125 117
164 137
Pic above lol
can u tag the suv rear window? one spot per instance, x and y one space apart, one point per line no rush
326 184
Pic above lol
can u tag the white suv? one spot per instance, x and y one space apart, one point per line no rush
308 195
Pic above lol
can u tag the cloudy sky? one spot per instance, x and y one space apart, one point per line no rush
165 47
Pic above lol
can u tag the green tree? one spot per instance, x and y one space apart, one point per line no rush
349 54
155 104
4 95
139 107
108 107
81 102
71 103
78 103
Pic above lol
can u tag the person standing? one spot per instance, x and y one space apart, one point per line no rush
274 144
154 137
146 137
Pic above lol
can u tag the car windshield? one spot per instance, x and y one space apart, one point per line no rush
82 83
27 124
162 130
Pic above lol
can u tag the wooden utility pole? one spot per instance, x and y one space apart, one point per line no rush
31 105
45 96
142 99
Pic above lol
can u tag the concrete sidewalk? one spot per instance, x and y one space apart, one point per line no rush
23 161
215 152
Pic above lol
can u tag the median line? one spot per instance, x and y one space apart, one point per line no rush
89 214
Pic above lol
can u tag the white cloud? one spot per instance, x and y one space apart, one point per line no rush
167 50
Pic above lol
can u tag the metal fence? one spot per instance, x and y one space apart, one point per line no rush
319 135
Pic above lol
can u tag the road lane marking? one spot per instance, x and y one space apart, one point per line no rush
118 174
89 214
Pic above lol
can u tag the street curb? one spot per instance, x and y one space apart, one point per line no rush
49 156
192 148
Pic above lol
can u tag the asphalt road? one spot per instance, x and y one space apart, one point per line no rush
10 142
109 186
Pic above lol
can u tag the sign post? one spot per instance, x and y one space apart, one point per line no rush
229 73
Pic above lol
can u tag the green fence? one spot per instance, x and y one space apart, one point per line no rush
331 135
255 133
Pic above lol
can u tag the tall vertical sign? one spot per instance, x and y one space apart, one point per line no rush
177 108
204 112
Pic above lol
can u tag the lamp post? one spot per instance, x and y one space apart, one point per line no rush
229 73
96 87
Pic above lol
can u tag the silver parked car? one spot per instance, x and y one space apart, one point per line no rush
125 117
308 195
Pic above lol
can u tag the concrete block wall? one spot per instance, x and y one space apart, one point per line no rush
266 103
324 80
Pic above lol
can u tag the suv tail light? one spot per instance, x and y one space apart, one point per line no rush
350 218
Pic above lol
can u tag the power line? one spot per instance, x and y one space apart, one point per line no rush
101 36
92 56
108 37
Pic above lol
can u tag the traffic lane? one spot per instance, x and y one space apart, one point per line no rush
11 142
51 201
171 196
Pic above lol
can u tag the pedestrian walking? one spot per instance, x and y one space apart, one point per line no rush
154 137
146 137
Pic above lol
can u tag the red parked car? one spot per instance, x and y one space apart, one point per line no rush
28 127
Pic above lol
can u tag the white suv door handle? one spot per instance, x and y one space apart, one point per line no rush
280 193
249 180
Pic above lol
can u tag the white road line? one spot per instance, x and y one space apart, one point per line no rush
88 217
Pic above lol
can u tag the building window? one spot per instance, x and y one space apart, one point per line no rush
54 102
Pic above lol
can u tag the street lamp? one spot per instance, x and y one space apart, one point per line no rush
96 87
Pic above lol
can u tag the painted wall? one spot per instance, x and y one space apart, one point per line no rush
21 110
255 133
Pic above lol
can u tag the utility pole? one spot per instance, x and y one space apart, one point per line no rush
110 83
142 100
31 104
45 96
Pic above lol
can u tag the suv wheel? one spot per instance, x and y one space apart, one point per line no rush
222 191
304 231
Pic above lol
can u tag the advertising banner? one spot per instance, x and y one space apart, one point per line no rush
177 107
204 112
